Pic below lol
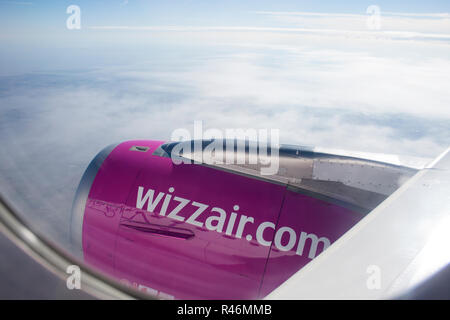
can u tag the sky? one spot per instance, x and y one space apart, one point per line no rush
323 72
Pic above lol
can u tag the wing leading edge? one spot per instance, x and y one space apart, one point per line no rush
401 243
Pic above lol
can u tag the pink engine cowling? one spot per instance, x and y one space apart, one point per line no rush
189 231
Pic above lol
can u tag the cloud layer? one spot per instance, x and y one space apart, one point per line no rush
366 93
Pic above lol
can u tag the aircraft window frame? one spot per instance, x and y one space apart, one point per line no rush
56 259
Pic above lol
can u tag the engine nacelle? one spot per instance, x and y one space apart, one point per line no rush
194 231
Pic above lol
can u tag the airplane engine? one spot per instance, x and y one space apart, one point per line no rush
224 231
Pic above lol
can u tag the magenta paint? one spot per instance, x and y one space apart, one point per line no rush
162 254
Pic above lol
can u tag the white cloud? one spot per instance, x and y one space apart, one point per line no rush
349 15
343 90
432 23
394 26
315 28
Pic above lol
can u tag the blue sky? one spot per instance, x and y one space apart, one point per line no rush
141 69
51 14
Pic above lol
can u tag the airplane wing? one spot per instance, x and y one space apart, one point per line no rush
395 248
